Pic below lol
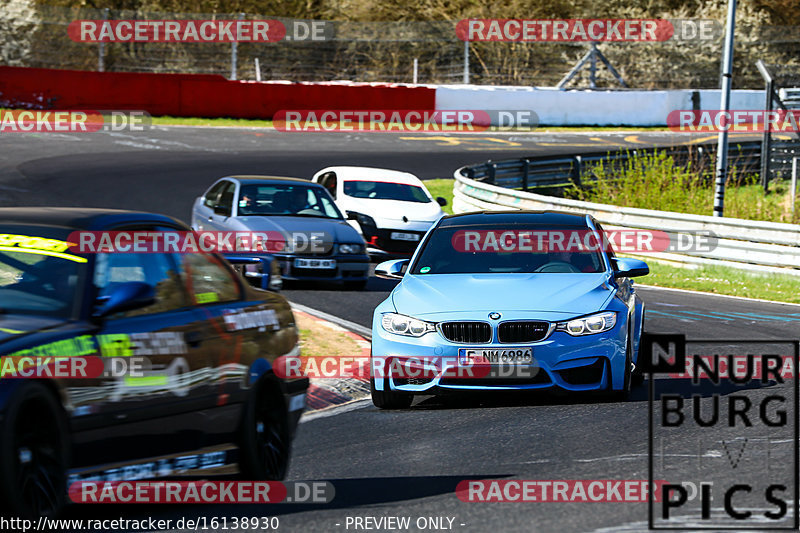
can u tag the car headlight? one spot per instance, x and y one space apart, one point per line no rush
589 325
406 325
350 248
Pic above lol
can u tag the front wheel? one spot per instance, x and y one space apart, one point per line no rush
624 394
265 439
33 454
389 399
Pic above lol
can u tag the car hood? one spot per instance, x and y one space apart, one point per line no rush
15 327
395 209
567 294
335 230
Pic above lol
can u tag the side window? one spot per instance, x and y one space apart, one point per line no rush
226 198
158 270
212 195
208 280
329 182
323 203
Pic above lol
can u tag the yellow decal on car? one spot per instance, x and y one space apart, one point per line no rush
38 245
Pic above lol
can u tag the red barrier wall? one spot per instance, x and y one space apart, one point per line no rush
194 95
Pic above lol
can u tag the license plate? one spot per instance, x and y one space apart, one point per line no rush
399 236
495 356
315 263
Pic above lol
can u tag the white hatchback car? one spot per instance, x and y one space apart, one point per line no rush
391 209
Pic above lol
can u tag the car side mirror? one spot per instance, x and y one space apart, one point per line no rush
352 215
221 210
441 201
630 268
391 269
126 297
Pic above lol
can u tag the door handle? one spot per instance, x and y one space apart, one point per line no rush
194 338
210 219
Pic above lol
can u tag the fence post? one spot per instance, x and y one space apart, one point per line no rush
416 67
794 183
466 62
575 175
234 50
766 139
258 69
525 164
101 49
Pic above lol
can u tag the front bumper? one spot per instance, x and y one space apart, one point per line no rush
349 267
591 362
380 242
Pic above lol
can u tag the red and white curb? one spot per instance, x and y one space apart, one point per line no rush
324 393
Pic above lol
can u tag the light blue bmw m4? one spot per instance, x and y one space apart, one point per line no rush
507 301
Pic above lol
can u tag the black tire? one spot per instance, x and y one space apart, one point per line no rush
34 454
624 394
388 399
265 439
359 285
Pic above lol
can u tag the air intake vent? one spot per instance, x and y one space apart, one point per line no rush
477 332
511 332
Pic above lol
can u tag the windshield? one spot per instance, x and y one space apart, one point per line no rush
520 249
381 190
38 275
281 199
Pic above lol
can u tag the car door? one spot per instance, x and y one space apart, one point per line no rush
217 293
159 407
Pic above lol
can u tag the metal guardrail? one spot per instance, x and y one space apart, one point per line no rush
744 244
564 170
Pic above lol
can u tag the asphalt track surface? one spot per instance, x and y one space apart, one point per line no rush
408 463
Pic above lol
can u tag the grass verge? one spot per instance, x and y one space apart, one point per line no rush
724 280
657 181
444 188
319 340
207 122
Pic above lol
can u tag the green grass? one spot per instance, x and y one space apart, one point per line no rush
444 188
217 122
655 181
724 280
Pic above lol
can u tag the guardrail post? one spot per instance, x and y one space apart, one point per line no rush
525 163
575 174
101 49
491 171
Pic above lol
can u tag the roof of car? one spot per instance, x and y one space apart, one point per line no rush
80 217
271 179
374 174
553 218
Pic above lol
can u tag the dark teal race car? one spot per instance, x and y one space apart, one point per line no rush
206 398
